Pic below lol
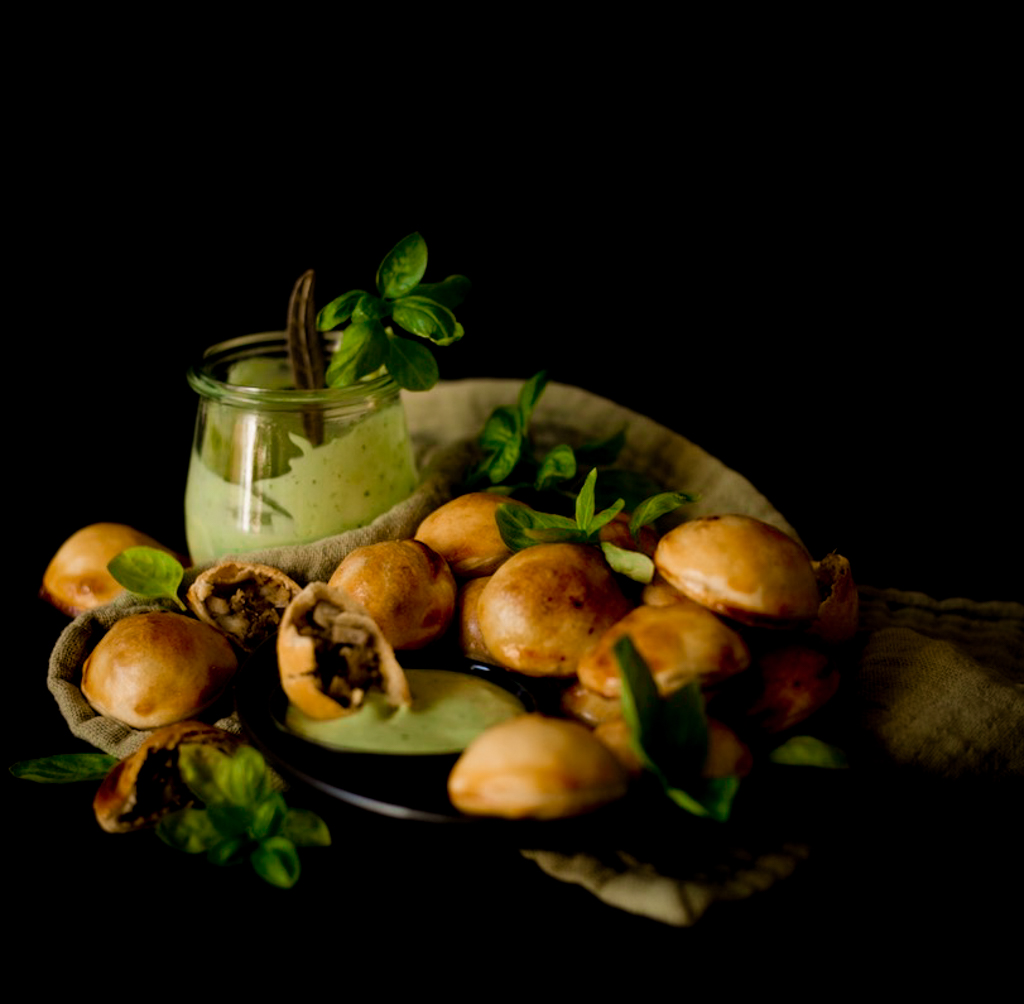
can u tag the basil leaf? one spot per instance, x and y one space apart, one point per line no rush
243 777
148 571
230 851
276 861
521 527
268 817
403 267
558 465
656 506
714 800
198 766
339 310
640 699
529 395
633 564
502 441
585 502
230 820
450 293
369 308
410 364
65 767
190 830
306 829
364 348
423 317
806 751
682 740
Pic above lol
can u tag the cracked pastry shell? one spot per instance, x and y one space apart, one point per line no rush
839 611
679 642
153 669
330 651
545 606
245 600
532 766
147 785
741 567
404 585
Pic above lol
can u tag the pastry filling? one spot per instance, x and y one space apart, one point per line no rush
347 660
250 611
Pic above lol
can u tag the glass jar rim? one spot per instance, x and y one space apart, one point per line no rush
202 380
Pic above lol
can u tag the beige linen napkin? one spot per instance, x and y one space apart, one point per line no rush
941 685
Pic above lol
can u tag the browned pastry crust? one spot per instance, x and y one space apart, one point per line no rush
147 785
680 642
152 669
330 652
545 606
741 567
76 579
245 600
839 612
404 585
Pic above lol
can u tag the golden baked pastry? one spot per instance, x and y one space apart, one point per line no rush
742 568
545 606
76 579
536 767
153 669
680 642
404 585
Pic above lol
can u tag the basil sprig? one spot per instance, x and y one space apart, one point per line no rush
424 310
670 735
521 526
242 817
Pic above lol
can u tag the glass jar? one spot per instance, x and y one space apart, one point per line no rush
272 465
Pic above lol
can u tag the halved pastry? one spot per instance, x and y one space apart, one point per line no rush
148 785
243 599
330 652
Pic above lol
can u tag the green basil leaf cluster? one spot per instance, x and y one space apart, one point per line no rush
670 735
65 768
149 572
521 526
424 310
242 818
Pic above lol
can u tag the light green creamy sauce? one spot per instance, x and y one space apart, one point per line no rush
448 711
344 483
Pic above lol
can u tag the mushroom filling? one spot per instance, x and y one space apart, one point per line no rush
158 788
250 611
347 661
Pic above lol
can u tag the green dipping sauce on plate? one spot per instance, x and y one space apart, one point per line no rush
448 711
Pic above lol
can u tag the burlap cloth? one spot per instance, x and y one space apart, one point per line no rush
940 685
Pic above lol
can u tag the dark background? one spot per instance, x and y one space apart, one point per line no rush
816 295
839 336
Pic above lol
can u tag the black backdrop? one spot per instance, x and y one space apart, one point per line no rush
831 326
843 347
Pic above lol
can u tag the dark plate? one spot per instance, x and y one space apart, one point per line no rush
416 787
403 786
